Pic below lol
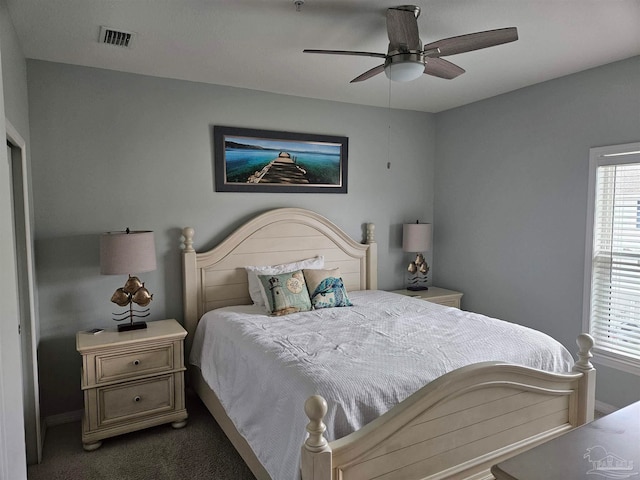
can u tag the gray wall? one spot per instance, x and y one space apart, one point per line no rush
13 105
511 200
113 150
14 76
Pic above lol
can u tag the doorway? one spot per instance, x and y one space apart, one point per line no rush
16 152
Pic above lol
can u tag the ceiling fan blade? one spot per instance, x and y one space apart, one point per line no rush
368 74
347 52
439 67
402 28
472 41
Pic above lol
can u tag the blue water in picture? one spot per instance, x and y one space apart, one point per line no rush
322 165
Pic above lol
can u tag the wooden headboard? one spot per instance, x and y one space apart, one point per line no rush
217 278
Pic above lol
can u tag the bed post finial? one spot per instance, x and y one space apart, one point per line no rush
315 463
587 389
371 233
316 408
188 233
585 344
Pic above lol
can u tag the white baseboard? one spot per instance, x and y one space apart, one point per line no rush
605 407
59 419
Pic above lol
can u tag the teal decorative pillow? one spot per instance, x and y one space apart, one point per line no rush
255 288
285 293
326 288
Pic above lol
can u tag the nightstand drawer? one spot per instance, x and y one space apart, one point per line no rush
441 296
135 399
447 302
120 366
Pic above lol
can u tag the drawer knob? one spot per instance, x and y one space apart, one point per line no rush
137 398
136 362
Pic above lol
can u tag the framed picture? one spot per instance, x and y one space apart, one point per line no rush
248 160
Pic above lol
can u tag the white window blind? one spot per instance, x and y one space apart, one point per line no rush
614 316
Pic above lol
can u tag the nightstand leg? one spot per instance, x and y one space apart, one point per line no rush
89 447
179 424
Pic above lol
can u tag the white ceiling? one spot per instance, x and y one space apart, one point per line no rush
258 44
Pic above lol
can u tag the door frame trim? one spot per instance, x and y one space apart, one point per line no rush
16 139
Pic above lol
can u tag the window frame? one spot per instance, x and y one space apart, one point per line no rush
603 156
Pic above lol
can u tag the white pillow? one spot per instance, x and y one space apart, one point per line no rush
253 271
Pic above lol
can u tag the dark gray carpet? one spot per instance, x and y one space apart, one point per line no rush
198 451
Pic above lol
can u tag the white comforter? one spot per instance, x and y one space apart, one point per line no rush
363 359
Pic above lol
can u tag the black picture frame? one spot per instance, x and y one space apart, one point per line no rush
252 160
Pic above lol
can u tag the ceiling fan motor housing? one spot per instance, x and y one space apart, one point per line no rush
409 8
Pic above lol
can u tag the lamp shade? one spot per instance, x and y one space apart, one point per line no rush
416 237
127 252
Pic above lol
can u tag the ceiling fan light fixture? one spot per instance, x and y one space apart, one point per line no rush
408 59
404 71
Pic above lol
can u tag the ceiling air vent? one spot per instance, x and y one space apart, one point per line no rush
118 38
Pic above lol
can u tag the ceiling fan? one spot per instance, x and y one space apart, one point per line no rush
406 59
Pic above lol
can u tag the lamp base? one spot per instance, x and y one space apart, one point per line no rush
417 289
132 326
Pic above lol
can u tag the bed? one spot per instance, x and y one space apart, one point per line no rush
455 426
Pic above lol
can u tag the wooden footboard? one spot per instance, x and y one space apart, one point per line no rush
457 426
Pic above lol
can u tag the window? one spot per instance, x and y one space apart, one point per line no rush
612 283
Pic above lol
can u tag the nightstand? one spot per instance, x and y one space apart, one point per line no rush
131 380
441 296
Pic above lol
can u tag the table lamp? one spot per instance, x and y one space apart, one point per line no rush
416 238
126 253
